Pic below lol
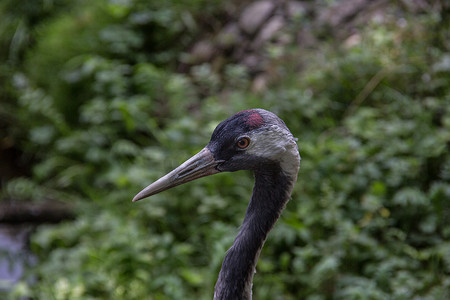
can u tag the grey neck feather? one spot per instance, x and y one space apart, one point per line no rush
270 194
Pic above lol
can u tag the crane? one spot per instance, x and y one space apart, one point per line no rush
256 140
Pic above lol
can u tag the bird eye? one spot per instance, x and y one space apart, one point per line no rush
243 143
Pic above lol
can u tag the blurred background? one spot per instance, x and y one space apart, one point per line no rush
100 98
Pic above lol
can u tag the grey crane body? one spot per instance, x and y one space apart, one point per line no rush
255 140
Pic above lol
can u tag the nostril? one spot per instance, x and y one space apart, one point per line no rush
187 171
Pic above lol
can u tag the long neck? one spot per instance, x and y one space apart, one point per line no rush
270 195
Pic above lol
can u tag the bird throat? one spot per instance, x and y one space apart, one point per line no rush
270 194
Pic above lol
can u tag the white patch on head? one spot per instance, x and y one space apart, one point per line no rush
277 144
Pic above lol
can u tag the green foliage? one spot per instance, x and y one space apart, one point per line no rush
106 114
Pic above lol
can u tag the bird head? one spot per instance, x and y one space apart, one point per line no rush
253 139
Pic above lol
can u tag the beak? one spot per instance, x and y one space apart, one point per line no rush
200 165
